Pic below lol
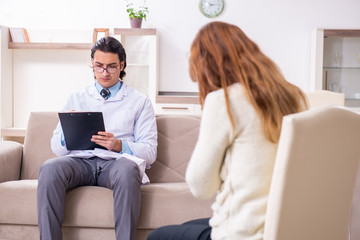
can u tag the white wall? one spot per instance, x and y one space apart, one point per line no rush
6 91
281 28
50 83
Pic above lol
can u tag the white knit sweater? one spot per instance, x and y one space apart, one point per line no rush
239 170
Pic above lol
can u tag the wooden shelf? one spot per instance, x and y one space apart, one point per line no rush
343 68
70 46
341 33
178 99
135 31
13 132
82 46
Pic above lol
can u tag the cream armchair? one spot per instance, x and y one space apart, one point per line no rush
314 176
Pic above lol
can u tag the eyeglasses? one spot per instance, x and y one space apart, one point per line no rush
108 69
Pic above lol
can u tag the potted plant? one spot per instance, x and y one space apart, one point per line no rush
136 14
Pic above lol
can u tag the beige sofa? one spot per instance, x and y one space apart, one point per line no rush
89 210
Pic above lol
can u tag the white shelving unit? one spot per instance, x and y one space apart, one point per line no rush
58 68
178 103
25 64
142 59
336 66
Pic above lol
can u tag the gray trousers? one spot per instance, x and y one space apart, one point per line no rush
60 174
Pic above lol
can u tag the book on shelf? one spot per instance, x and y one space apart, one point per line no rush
19 35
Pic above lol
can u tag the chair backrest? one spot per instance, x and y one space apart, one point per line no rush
355 211
324 97
314 175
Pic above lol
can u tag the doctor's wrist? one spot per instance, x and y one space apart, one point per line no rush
117 146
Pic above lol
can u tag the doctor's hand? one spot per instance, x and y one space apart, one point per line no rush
108 141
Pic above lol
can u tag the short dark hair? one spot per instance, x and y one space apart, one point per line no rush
112 45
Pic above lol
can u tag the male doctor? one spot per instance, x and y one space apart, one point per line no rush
130 141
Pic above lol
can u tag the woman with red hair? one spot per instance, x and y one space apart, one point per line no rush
244 98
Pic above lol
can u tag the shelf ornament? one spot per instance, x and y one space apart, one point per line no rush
137 13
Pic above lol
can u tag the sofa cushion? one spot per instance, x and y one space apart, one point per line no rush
177 136
37 147
18 202
170 203
18 205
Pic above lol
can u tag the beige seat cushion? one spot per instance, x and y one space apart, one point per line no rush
157 199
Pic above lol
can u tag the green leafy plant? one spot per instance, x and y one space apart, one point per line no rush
137 12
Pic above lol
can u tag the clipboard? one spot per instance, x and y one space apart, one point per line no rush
78 127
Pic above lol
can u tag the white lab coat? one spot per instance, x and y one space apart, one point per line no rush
129 115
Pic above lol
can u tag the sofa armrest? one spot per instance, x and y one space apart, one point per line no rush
10 160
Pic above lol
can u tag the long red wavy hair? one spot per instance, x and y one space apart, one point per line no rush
221 55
